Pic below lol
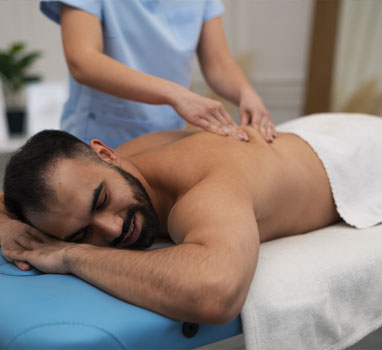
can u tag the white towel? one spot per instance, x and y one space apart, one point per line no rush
317 291
350 148
323 290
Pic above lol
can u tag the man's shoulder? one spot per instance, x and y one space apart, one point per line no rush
152 141
208 204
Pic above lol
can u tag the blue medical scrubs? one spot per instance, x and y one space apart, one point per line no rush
157 37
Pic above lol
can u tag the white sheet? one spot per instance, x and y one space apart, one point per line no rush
323 290
317 291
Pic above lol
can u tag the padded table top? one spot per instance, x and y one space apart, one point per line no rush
49 311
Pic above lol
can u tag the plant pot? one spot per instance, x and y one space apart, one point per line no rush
16 121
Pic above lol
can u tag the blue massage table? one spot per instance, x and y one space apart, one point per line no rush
48 312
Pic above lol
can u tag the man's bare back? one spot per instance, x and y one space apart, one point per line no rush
285 181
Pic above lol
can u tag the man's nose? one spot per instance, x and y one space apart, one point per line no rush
108 224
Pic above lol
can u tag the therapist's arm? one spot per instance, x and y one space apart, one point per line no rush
226 78
83 47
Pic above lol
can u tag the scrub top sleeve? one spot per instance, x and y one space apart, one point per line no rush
52 8
213 9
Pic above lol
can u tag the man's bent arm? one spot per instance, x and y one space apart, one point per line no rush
204 279
12 230
181 282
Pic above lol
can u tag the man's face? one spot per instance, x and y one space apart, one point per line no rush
97 204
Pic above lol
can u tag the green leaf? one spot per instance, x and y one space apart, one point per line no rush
26 61
16 85
14 64
5 66
16 48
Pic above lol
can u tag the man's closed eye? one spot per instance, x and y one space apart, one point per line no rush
103 203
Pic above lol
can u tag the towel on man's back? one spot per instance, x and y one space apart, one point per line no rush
350 148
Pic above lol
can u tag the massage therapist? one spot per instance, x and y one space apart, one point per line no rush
130 65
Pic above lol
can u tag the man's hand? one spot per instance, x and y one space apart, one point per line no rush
207 114
25 246
253 113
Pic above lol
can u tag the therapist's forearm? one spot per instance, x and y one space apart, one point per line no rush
226 78
103 73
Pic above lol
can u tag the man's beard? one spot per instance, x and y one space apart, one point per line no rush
150 223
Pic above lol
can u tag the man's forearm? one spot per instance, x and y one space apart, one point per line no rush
180 282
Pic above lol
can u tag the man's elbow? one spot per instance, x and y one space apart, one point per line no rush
219 314
223 303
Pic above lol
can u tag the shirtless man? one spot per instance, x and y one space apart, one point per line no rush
216 198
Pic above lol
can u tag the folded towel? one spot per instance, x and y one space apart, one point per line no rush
317 291
350 148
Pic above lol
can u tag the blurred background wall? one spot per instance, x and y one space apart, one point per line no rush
302 56
357 79
273 40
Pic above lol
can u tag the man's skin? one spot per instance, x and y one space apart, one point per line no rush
216 198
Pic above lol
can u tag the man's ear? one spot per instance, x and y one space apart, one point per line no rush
105 153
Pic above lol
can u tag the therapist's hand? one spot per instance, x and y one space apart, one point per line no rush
207 114
253 113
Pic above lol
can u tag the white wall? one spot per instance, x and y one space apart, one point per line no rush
277 35
273 34
357 83
22 20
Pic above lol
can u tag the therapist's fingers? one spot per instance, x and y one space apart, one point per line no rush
206 125
227 125
227 117
215 126
261 121
271 131
263 127
257 121
234 129
217 120
219 116
245 118
274 131
223 131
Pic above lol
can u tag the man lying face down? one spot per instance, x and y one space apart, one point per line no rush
79 209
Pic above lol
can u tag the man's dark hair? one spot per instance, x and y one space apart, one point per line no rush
26 182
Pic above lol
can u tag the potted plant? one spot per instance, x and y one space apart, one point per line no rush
14 65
